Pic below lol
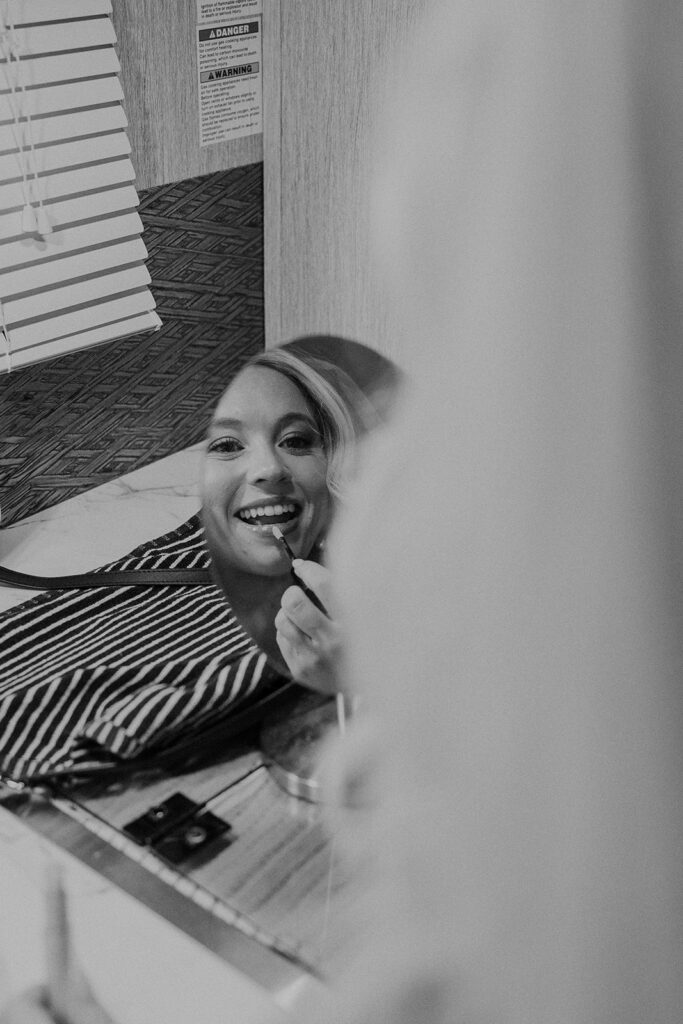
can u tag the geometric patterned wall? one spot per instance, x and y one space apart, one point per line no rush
71 423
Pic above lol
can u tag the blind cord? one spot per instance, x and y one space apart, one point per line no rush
33 221
6 338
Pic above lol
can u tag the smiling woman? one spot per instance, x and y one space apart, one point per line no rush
265 465
280 447
135 668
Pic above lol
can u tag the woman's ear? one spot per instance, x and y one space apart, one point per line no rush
317 552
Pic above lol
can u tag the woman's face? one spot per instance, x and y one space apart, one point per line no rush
264 466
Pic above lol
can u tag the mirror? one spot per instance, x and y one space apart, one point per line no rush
283 443
241 503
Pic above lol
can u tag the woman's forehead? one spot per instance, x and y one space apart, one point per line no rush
259 391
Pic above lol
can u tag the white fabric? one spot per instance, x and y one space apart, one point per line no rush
511 566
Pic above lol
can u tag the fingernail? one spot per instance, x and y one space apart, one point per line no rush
297 561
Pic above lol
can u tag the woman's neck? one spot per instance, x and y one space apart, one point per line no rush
255 601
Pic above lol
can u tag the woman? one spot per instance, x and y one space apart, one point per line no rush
280 448
95 675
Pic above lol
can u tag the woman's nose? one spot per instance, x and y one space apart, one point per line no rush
265 465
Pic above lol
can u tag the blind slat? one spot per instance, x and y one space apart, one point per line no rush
69 96
41 70
81 320
51 303
70 154
67 239
52 272
72 270
86 339
63 126
72 35
64 183
29 11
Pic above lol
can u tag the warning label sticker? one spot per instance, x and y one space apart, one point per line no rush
232 72
229 65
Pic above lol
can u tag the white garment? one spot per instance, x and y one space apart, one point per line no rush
511 565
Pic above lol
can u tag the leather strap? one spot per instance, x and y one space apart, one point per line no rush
128 578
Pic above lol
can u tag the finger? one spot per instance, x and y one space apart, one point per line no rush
28 1008
288 628
302 612
58 947
307 666
315 576
298 657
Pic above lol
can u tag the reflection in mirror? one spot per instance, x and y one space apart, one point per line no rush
282 446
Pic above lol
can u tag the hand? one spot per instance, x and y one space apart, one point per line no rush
349 771
31 1007
67 998
310 640
34 1007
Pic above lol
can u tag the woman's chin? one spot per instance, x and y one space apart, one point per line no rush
261 564
272 571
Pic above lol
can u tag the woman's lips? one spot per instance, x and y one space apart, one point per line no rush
259 518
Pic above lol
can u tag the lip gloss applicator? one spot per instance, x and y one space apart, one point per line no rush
342 709
279 535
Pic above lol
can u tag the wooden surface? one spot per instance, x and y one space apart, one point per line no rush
267 902
157 49
54 827
277 882
318 111
273 881
119 806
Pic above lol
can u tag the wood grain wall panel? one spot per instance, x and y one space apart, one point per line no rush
317 161
272 168
158 53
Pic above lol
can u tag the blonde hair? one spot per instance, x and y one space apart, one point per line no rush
341 410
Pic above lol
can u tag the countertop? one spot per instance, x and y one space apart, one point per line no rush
102 524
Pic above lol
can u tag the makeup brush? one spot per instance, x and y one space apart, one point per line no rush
313 598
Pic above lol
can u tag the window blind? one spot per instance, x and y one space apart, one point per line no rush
72 260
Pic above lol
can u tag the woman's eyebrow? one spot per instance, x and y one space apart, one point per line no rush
225 423
228 423
296 417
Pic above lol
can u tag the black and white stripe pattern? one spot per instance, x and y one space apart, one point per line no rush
120 669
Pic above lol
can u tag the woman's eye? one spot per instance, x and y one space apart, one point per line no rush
225 446
298 442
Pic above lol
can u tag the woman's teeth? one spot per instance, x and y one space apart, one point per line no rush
267 514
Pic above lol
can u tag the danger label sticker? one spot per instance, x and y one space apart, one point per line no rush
229 65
